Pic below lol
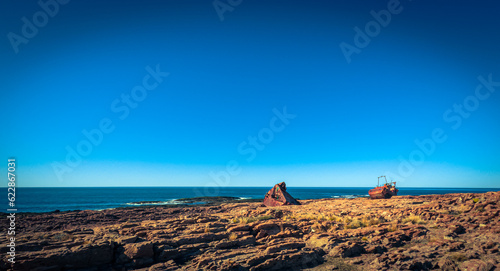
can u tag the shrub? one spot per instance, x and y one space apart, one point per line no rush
233 236
245 220
347 220
355 224
414 219
265 217
393 227
334 218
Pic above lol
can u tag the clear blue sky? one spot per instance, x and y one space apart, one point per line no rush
217 117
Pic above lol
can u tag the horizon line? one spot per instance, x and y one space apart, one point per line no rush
247 187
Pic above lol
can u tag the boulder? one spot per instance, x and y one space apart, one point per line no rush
278 196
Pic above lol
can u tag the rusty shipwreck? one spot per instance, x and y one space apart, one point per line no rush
278 196
385 191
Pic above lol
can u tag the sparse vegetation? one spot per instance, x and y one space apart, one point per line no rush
334 218
319 227
265 217
414 219
246 220
348 222
233 236
475 200
370 221
393 227
354 224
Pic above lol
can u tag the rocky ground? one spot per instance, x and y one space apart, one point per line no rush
449 232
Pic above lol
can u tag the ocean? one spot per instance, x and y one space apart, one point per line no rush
85 198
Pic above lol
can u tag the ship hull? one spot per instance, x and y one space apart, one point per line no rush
382 192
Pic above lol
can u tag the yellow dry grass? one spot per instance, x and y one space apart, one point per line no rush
414 219
233 236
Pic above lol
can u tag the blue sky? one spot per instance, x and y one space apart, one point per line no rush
249 93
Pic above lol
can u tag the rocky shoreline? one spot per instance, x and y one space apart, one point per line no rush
441 232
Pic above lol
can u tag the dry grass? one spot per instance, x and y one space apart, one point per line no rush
393 227
354 224
347 222
340 221
246 220
414 219
371 221
320 227
233 236
265 217
334 218
243 220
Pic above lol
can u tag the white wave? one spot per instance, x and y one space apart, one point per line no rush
168 202
348 196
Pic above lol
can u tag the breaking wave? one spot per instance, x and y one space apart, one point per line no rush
168 202
144 203
349 196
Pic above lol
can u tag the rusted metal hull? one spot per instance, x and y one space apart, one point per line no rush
278 196
383 192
